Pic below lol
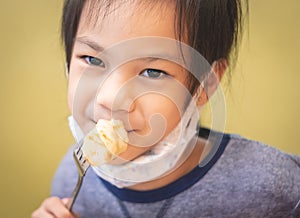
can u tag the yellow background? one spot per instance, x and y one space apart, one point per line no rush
263 97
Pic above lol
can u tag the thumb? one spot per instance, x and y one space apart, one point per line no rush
65 202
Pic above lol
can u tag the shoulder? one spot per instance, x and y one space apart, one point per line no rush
254 154
250 179
251 157
260 170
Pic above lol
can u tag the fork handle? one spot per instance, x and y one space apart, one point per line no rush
75 193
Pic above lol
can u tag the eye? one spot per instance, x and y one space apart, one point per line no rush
153 73
94 61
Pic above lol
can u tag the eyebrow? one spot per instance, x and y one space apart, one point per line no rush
95 46
151 59
92 44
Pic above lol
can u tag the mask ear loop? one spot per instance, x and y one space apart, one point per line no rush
67 70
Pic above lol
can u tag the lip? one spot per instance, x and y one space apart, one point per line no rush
129 131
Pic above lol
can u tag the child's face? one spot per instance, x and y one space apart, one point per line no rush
94 93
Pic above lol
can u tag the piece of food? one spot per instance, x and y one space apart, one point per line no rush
104 142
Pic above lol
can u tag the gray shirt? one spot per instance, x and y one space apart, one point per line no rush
244 179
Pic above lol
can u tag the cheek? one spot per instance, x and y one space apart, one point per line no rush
70 96
75 89
72 84
153 106
172 115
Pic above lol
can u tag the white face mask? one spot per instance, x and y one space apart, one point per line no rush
162 159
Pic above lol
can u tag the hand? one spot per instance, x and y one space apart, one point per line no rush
53 207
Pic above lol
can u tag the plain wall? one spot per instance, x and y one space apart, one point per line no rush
263 95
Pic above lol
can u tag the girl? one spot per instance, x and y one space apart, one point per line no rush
150 64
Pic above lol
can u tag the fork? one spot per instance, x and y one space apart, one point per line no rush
82 166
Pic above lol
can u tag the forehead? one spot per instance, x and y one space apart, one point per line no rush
120 19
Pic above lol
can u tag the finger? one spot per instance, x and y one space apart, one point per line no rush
65 202
41 213
56 206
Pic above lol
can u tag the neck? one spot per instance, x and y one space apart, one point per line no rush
199 152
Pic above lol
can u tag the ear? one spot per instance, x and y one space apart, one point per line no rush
210 84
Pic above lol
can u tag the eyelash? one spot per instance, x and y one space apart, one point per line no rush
88 60
161 73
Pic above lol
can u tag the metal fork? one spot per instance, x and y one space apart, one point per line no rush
82 166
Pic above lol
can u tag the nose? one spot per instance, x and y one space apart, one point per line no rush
115 93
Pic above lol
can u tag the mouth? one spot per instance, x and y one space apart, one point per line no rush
127 128
130 131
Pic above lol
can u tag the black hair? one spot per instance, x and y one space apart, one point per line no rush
213 27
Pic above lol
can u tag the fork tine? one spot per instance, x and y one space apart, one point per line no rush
82 166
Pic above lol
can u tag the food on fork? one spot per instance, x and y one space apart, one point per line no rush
104 142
